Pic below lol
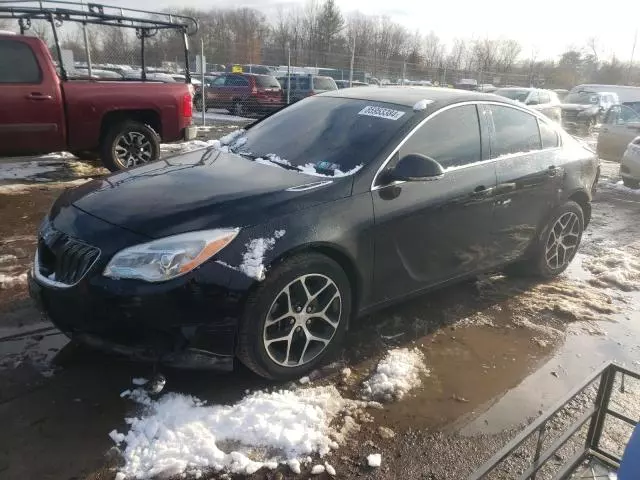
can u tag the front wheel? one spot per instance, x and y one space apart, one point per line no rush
557 244
129 144
296 318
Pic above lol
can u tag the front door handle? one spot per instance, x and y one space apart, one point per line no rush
503 188
39 96
481 191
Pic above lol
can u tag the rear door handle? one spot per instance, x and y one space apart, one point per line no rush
38 96
503 188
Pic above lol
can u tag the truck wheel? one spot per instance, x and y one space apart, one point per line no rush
129 144
239 108
197 102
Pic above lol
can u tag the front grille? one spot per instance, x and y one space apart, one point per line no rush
62 258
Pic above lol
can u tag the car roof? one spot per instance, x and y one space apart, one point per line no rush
518 88
409 96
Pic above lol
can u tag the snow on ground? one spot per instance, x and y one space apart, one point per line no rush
374 460
10 281
397 373
220 115
27 170
179 433
620 187
614 267
253 258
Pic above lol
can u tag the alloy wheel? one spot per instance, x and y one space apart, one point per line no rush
302 320
133 149
563 241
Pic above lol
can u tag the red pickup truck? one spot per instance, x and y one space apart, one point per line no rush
121 122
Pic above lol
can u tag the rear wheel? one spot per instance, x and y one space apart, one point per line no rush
129 144
197 102
556 246
628 182
239 108
296 318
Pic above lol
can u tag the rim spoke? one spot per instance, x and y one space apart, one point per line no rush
325 318
278 339
324 310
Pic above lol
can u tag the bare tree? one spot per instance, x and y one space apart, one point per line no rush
508 51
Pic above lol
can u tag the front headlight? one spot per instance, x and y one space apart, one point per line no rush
169 257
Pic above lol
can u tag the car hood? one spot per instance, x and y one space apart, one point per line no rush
200 190
577 107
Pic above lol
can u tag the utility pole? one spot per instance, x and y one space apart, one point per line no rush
288 72
353 54
633 51
203 94
86 45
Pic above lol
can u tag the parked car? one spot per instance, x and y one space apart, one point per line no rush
242 94
620 126
270 248
467 84
120 122
303 86
544 101
561 93
345 84
583 110
625 93
630 165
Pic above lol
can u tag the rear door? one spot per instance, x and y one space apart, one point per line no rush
31 113
621 125
216 91
529 176
428 232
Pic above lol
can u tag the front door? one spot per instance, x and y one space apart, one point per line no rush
529 175
428 232
621 125
31 114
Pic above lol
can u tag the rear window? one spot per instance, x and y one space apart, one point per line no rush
18 64
344 133
323 83
267 81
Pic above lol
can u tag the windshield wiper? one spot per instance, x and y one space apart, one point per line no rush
254 157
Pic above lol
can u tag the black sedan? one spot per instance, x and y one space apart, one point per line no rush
265 249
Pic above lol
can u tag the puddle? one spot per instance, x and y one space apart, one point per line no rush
35 346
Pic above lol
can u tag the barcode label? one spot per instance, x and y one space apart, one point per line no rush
381 112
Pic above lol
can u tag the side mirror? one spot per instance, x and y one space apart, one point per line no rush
415 167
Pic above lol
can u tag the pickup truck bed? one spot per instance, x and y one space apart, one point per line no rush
122 122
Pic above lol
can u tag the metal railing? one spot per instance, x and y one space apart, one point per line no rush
596 415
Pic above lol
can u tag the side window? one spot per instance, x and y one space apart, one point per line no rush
515 131
235 81
220 81
548 135
544 97
18 64
452 138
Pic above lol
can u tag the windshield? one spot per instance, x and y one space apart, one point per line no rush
344 134
583 98
514 94
267 81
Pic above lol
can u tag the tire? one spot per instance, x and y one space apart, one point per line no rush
270 299
630 183
142 139
537 262
86 155
197 103
239 108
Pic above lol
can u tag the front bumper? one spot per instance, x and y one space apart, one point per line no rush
630 164
190 321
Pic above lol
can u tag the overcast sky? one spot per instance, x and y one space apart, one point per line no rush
548 26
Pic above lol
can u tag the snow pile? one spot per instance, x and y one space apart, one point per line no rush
27 170
397 373
615 268
620 187
179 433
10 281
422 105
374 460
6 259
252 259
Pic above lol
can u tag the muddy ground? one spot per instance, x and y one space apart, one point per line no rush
500 350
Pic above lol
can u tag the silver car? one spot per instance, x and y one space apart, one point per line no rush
630 165
620 126
544 101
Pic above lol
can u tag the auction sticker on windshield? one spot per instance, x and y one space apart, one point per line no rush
380 112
